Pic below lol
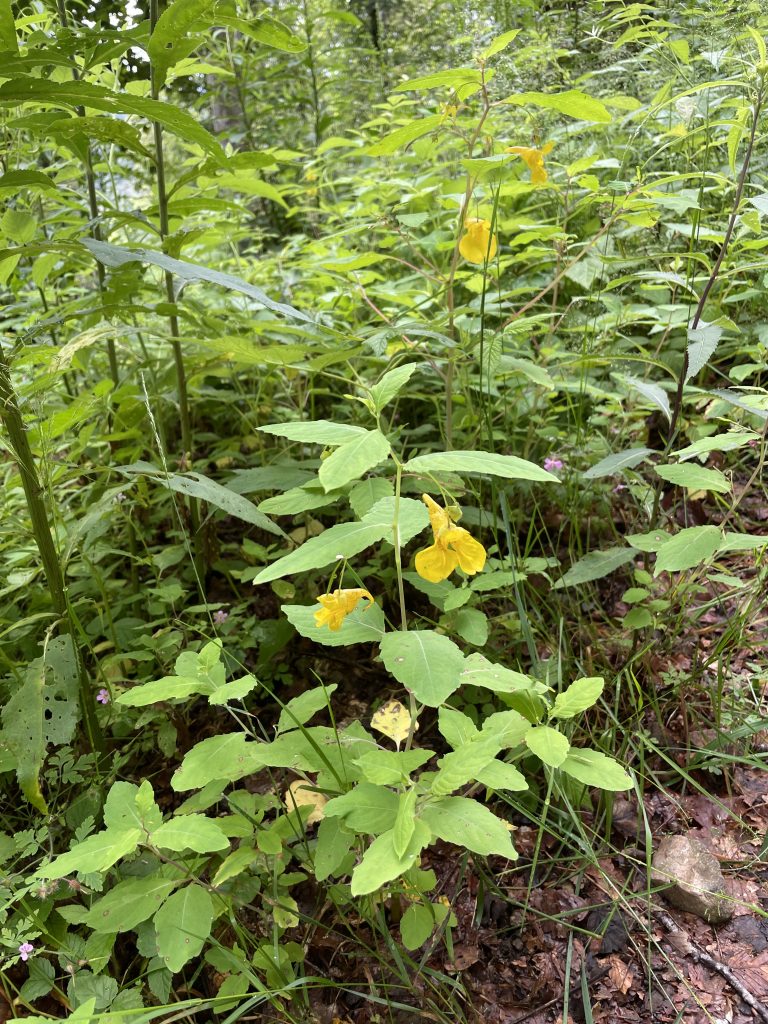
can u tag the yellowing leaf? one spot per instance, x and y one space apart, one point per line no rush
299 795
393 720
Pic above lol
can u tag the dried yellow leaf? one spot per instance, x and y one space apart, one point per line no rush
393 719
300 794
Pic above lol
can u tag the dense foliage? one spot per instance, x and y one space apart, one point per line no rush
383 413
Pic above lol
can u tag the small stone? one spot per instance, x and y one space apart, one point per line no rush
698 886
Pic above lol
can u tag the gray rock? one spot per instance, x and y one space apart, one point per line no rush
698 886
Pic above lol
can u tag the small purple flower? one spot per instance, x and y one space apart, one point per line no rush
119 497
553 463
103 696
220 616
25 949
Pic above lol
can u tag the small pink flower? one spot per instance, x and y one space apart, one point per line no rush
25 949
553 463
220 617
103 696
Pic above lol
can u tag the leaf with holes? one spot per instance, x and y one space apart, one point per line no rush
43 711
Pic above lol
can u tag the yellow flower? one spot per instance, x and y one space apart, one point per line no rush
337 605
454 547
474 244
535 160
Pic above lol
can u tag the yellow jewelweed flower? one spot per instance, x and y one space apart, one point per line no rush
337 605
474 244
534 158
454 547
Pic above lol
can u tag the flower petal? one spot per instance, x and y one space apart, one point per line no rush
439 519
470 553
436 563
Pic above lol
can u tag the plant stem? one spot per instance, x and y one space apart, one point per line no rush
173 321
10 414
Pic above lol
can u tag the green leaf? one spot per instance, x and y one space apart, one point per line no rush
351 460
391 384
573 103
478 671
696 478
507 466
405 823
405 135
190 832
14 181
425 662
8 40
182 925
451 78
499 775
18 226
299 710
235 864
364 625
229 756
130 806
96 853
198 486
687 549
500 43
101 129
547 744
595 566
344 539
381 863
741 542
365 494
391 767
265 30
323 432
717 443
129 903
579 696
654 540
416 925
463 764
170 41
42 712
334 842
470 623
466 823
655 394
617 462
78 93
366 808
702 344
114 256
595 769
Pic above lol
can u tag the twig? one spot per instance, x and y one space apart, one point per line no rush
698 955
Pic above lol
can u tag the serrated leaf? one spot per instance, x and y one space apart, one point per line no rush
617 462
391 384
366 808
324 432
547 744
171 40
365 494
352 460
717 443
405 135
129 903
382 864
655 394
595 566
83 94
462 765
702 344
229 756
696 478
594 768
467 824
501 43
265 30
580 695
96 853
687 549
427 663
190 832
182 926
573 103
114 256
509 467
